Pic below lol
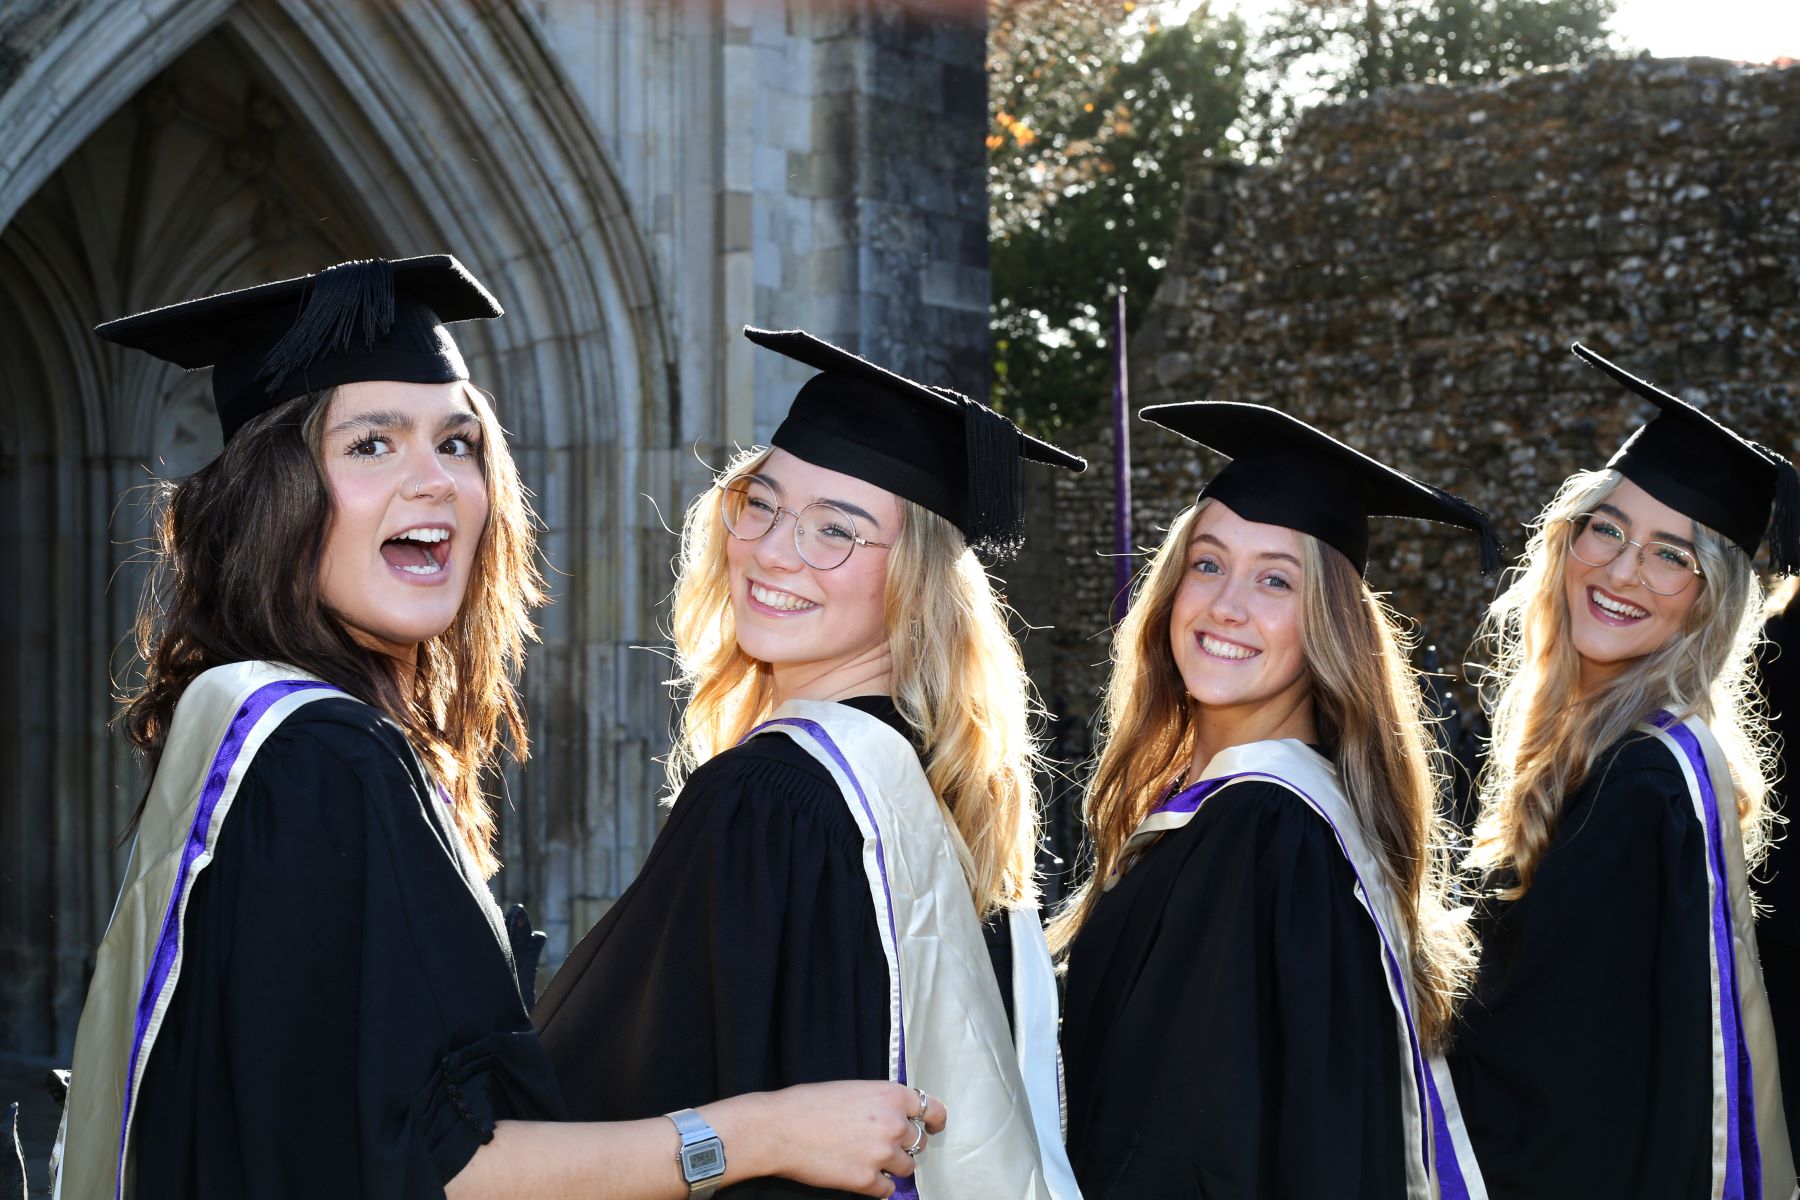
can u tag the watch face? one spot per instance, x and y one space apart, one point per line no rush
703 1160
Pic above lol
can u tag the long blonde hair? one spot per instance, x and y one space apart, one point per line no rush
1370 715
958 679
1547 739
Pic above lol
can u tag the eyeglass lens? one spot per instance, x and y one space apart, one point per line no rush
1663 568
824 534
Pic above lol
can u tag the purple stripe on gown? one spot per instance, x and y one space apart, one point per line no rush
904 1187
1743 1157
1431 1105
168 943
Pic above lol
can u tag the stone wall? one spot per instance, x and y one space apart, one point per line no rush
1408 276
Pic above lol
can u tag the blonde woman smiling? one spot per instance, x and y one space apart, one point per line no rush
855 804
1619 1043
1262 968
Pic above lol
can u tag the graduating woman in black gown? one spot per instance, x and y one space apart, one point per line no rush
854 768
305 989
1262 966
1618 1041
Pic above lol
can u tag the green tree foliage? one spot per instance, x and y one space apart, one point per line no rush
1324 50
1097 112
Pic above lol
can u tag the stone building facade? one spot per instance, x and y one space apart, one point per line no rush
1409 275
635 180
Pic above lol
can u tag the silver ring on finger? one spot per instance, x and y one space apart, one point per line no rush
924 1103
918 1143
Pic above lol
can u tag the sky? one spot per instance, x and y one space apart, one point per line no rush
1743 30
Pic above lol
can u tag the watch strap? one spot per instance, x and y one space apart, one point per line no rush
695 1133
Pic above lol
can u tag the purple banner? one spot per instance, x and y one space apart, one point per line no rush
905 1188
168 943
1743 1157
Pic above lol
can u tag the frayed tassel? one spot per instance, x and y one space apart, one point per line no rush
1478 522
343 302
1784 528
996 525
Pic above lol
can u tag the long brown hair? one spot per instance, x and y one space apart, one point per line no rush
1547 739
236 578
958 679
1370 714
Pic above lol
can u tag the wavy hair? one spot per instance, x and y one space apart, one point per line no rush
235 578
1547 738
958 679
1370 715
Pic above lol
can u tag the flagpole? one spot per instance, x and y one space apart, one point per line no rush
1121 463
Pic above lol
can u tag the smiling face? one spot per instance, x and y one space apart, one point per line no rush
1236 626
409 503
804 622
1614 619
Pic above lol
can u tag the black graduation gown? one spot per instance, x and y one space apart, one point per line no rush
1778 882
347 1022
1227 1031
744 957
1583 1061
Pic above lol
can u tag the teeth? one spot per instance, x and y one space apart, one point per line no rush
782 600
1223 649
422 535
432 569
1617 608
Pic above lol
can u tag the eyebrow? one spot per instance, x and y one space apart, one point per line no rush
399 422
854 510
1266 555
1659 535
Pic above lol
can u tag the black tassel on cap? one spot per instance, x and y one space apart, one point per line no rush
342 303
1492 550
1784 526
996 525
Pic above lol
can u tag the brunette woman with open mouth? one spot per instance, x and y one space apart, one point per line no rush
1263 966
1619 1042
304 989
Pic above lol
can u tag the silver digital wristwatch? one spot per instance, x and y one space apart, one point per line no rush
702 1154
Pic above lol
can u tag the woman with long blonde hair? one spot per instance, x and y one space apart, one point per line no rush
1263 966
854 800
1619 1043
304 989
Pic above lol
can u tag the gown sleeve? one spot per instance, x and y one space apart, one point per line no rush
744 957
344 1023
1243 1041
1584 1056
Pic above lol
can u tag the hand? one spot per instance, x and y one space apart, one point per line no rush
851 1135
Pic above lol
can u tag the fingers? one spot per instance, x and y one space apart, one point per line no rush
935 1115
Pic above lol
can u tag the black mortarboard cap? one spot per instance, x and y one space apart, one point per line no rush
365 320
1706 472
1285 472
941 450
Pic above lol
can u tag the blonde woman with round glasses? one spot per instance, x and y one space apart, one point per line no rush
845 886
1619 1041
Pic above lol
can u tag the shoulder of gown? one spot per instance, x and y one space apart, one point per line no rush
745 956
1229 1029
346 1020
1584 1054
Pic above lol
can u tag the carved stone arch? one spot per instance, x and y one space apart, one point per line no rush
441 128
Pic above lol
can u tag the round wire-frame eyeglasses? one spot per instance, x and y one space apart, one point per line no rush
824 534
